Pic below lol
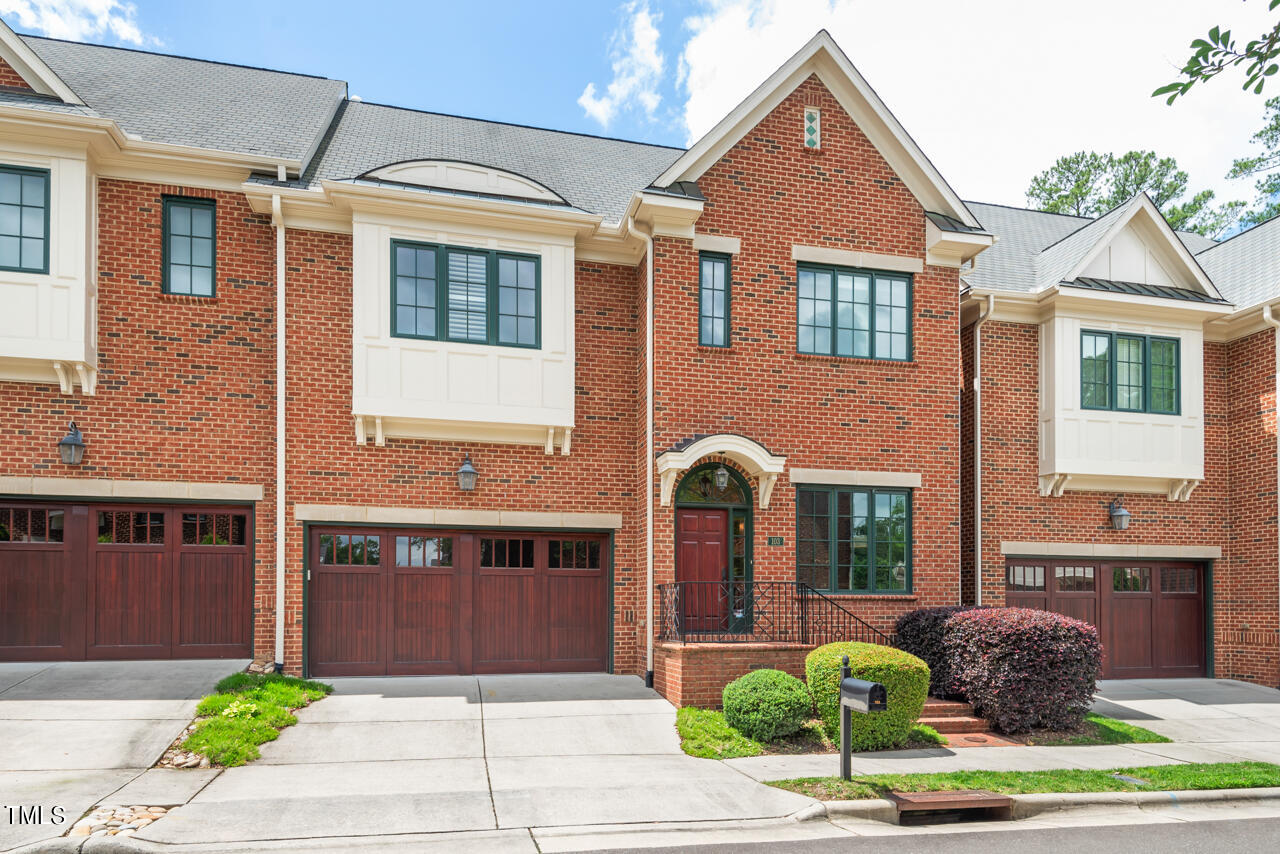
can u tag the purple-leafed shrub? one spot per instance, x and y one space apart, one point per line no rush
920 633
1022 669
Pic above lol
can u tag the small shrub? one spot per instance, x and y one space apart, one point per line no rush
767 704
904 676
1024 669
926 734
920 633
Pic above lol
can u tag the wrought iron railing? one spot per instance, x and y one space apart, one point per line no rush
757 611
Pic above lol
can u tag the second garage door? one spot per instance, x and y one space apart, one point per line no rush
1150 614
404 602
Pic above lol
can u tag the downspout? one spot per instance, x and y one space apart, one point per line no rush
1272 321
277 220
648 450
977 447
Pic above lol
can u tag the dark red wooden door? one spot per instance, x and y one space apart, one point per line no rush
1149 614
125 582
702 557
421 602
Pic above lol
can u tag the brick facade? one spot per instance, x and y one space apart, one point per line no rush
695 674
1234 508
9 78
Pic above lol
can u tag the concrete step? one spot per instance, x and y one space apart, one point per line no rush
958 724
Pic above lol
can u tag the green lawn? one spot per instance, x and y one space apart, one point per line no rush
705 733
248 710
1098 729
1226 775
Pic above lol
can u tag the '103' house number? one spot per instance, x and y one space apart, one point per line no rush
775 541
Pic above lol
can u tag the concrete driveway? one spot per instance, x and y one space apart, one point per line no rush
414 755
73 733
1220 720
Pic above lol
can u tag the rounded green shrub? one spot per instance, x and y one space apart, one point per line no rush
906 682
767 704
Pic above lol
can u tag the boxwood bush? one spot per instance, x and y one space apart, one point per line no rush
920 633
767 704
904 676
1022 669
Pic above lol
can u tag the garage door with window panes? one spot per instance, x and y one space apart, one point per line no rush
1150 615
403 602
120 582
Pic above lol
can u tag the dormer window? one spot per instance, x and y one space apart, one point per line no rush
1129 373
24 219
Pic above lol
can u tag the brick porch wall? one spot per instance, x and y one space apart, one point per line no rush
695 674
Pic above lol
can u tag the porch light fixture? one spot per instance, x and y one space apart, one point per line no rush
467 475
1119 516
722 479
71 448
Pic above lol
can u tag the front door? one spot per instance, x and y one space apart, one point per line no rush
702 562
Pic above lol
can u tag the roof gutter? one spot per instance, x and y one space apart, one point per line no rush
1271 320
647 237
277 220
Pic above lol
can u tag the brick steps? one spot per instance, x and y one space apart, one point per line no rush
950 717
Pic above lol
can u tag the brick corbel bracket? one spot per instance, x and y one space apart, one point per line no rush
754 458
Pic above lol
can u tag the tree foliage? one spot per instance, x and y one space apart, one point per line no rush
1264 166
1088 183
1218 51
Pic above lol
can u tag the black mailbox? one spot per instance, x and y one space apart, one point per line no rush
859 695
856 695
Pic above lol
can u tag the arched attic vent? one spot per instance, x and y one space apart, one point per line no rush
461 176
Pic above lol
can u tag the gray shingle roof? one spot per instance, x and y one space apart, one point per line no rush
1246 268
15 98
192 102
595 174
1033 246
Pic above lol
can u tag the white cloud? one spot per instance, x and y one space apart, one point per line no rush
994 92
78 20
637 67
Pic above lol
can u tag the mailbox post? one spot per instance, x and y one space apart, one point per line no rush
856 695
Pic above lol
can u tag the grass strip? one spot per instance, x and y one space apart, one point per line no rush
706 734
249 709
1098 729
1158 778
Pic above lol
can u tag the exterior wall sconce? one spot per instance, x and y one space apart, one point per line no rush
467 475
1119 516
722 479
71 448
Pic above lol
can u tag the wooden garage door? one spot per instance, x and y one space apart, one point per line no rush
403 602
1150 614
96 581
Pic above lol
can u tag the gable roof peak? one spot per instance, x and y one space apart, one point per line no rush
821 56
31 68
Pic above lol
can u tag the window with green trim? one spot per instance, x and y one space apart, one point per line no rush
1129 373
189 256
474 295
858 313
853 540
713 300
24 219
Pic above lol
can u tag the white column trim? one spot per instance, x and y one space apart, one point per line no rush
364 515
850 258
1110 550
92 487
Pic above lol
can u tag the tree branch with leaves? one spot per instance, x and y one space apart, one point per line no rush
1219 51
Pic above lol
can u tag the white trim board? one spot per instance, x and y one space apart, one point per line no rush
1109 550
358 514
849 258
87 487
845 477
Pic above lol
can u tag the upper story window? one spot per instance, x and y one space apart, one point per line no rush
480 296
1129 373
24 219
189 260
859 313
713 300
853 540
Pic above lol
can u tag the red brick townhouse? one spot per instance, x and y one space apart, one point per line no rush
1120 457
363 390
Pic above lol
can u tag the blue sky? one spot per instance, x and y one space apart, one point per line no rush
993 90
